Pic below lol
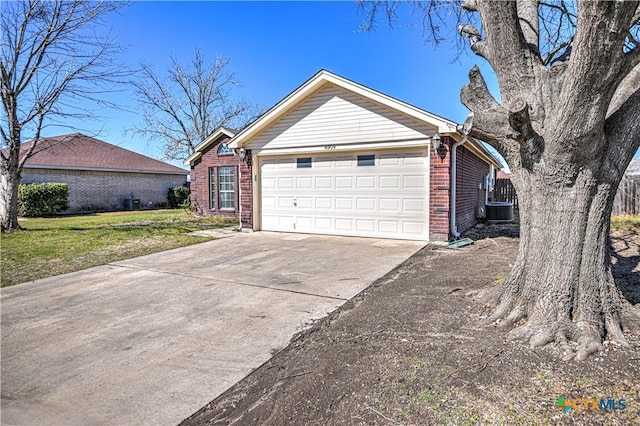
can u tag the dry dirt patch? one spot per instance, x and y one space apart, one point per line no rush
411 350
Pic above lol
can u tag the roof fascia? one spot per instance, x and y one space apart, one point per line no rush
478 148
98 169
197 153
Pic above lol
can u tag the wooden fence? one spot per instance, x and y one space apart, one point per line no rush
503 190
627 199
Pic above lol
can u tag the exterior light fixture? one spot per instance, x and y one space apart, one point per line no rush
436 140
242 153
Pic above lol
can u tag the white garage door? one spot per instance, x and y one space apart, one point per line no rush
362 194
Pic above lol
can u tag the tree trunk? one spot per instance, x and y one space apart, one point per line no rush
9 183
561 282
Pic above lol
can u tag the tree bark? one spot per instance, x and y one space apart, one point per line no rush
561 283
9 183
567 144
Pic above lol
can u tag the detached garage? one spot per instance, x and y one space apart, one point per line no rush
335 157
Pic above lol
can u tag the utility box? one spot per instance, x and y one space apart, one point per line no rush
132 203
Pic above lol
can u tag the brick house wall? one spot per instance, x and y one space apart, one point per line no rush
202 193
439 191
470 192
91 191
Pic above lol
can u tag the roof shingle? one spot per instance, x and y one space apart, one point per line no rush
78 151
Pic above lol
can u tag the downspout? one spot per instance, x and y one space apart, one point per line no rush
466 128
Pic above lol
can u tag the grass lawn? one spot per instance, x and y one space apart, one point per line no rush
53 246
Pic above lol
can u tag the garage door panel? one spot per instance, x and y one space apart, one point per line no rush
344 182
323 223
345 225
413 205
366 204
344 203
304 182
324 182
365 182
304 202
323 203
414 182
389 182
389 226
336 196
365 225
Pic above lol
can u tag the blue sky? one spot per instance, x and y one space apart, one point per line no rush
275 46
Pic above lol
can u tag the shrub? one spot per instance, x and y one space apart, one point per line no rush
42 199
178 196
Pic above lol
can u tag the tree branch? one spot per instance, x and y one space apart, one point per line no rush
622 130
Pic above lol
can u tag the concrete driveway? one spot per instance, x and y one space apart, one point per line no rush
152 339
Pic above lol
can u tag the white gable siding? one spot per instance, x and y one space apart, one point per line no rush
334 116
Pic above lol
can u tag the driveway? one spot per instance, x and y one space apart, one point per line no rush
152 339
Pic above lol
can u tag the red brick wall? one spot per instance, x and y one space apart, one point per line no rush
439 183
470 193
200 192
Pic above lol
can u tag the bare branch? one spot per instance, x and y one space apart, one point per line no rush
183 108
53 53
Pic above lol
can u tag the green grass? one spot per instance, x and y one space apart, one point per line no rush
53 246
625 222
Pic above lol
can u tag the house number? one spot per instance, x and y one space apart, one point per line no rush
330 147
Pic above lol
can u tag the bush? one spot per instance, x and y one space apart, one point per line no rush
178 196
42 199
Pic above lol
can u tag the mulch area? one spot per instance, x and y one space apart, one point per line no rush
411 349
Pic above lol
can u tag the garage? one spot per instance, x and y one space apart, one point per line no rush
379 193
338 158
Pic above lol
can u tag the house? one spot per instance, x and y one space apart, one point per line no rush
335 157
101 176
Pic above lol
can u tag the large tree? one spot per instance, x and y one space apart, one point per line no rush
567 123
184 106
53 56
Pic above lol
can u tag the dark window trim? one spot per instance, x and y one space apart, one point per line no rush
366 160
303 162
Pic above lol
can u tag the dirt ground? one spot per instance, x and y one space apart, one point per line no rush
410 350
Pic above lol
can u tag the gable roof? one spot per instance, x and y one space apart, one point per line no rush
81 152
197 153
322 78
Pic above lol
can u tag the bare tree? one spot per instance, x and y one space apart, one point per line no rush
567 124
52 55
183 109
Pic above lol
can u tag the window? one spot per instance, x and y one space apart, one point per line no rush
226 188
304 163
212 188
366 160
224 149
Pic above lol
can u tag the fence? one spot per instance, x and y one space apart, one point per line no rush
503 190
627 199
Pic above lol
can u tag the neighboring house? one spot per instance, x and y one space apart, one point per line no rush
101 176
335 157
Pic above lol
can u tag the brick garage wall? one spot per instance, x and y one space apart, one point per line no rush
471 171
91 191
439 189
200 191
